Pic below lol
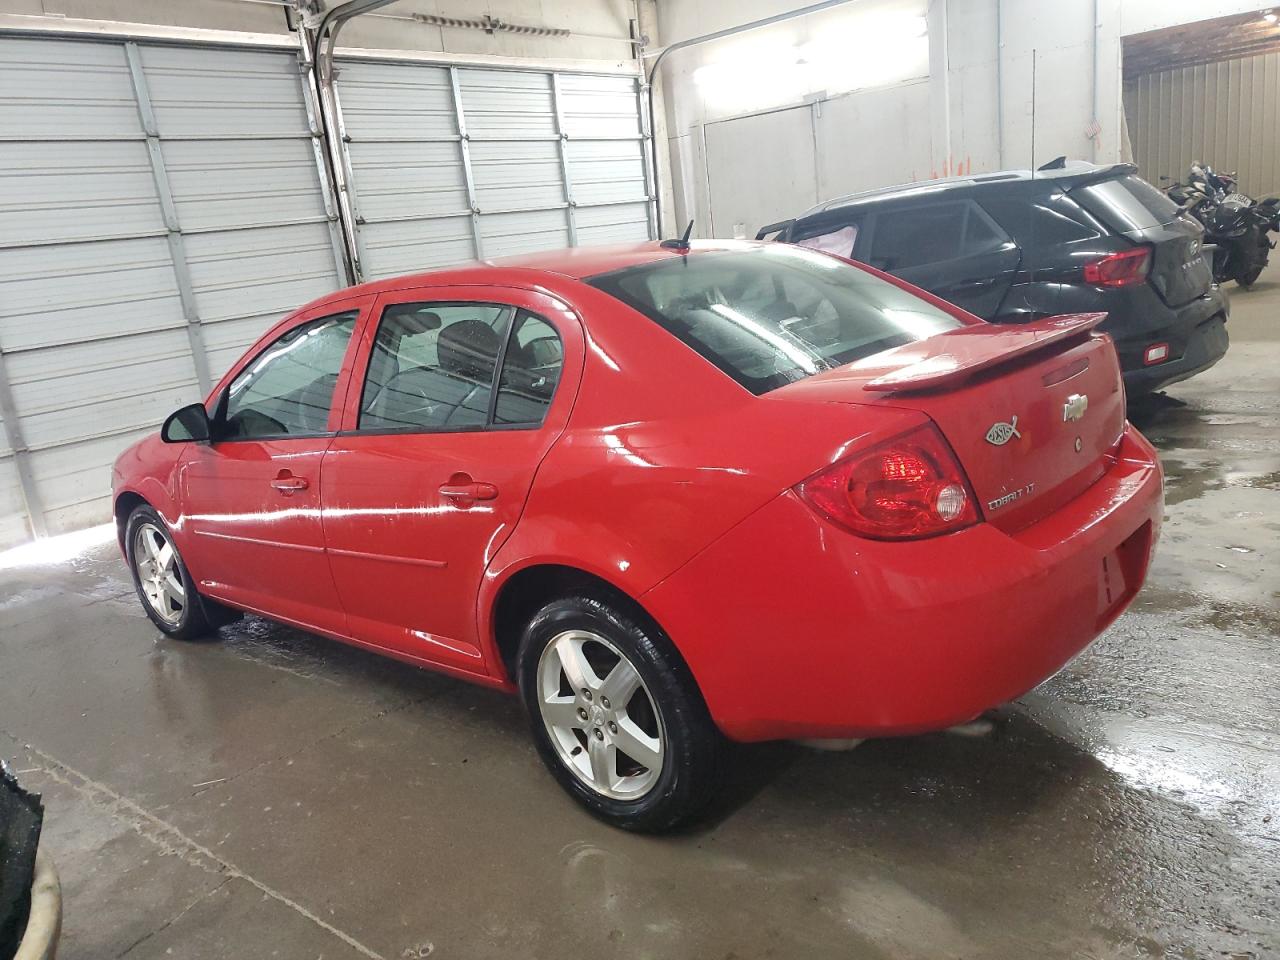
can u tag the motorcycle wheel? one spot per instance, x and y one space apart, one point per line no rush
1247 279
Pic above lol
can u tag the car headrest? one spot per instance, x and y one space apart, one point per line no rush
412 319
468 348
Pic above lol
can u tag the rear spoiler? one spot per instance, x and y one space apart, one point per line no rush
778 227
1097 176
951 358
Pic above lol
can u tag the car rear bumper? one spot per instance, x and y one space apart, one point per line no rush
796 629
1200 350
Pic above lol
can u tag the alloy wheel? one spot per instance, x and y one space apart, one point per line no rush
156 562
601 717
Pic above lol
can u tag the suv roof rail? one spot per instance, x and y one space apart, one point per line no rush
774 228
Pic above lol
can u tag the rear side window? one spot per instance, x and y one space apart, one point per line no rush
932 233
432 366
1046 224
530 371
768 316
1127 203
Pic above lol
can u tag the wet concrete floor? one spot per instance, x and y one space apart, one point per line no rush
279 795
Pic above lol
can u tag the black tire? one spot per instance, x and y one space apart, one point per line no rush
693 748
199 617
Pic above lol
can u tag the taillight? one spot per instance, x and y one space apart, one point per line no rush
903 489
1120 269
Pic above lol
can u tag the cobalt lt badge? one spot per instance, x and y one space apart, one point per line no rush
1075 407
1002 433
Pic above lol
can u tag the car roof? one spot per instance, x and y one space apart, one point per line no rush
1070 173
576 263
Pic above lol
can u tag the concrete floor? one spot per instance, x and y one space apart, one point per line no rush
278 795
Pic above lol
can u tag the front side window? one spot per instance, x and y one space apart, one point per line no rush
838 240
770 315
432 366
288 388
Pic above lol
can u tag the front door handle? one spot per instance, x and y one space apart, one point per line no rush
288 484
465 491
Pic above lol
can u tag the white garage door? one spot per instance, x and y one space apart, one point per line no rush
160 206
448 164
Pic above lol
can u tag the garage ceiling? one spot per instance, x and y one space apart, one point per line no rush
1206 41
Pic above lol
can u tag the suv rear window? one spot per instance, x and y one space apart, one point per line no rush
771 315
1127 203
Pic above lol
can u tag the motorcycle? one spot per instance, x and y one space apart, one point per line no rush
1235 225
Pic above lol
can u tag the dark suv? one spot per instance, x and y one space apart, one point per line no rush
1017 246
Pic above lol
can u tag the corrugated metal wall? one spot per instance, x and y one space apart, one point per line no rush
159 207
1224 114
162 204
454 163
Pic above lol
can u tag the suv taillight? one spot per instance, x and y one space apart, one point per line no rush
1120 269
903 489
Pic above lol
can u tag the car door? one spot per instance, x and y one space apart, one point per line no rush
431 470
250 499
951 248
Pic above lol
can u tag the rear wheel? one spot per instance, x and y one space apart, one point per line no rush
165 588
616 715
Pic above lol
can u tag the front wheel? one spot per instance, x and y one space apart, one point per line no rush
165 588
616 715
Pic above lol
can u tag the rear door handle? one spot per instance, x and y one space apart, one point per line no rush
468 490
287 483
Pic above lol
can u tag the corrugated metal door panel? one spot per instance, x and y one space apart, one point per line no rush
75 192
382 101
507 104
620 223
411 246
408 186
64 294
507 234
599 106
1223 114
96 294
401 180
606 171
237 183
13 525
515 175
202 92
65 90
75 478
264 272
414 183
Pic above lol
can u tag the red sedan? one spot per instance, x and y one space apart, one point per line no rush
669 494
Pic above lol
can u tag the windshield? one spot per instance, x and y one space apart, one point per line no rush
770 315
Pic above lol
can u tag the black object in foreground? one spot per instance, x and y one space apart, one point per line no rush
21 814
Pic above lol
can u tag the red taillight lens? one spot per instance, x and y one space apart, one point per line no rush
902 489
1120 269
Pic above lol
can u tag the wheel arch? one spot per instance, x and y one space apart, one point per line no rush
520 593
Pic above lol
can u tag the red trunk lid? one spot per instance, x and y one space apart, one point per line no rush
1031 411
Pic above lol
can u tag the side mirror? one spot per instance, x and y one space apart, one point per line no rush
191 423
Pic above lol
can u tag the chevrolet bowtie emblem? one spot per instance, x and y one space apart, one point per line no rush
1075 407
1002 433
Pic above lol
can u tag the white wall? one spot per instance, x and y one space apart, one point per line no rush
981 101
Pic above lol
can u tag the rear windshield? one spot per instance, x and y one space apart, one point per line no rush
768 316
1127 203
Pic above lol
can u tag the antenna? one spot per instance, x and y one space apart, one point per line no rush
682 243
1033 113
